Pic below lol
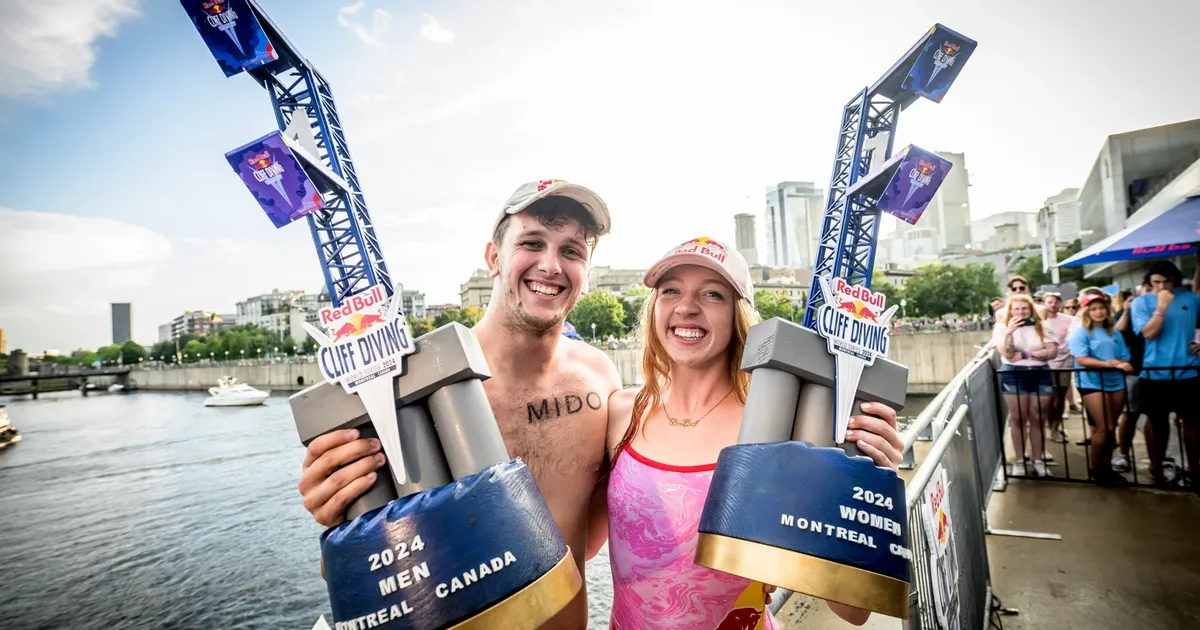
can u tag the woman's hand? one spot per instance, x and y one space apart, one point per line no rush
1126 367
877 437
1013 325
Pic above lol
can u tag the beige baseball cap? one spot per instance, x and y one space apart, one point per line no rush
710 253
530 192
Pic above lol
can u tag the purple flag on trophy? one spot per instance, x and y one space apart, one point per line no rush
911 188
273 174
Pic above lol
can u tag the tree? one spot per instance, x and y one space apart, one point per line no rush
773 304
446 316
131 352
891 292
939 289
601 308
635 298
310 345
418 327
193 349
470 316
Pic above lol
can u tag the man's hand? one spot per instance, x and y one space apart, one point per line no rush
1164 299
337 470
876 435
1194 347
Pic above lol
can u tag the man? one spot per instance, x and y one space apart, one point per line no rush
1058 325
1167 318
539 256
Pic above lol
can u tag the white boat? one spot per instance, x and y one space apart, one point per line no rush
116 388
8 433
230 393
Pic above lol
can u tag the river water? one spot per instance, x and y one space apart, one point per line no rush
150 510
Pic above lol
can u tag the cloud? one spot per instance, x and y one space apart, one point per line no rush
381 23
435 32
50 45
42 242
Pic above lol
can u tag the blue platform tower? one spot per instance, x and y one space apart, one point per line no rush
849 231
243 38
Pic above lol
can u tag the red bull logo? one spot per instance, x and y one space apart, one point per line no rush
330 316
704 245
214 8
358 324
261 161
546 183
950 49
741 619
926 168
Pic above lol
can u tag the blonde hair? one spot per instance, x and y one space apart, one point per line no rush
656 365
1085 320
1037 318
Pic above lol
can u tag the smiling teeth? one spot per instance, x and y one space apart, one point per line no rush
544 289
689 333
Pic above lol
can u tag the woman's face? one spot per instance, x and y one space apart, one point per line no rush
1098 311
693 315
1020 309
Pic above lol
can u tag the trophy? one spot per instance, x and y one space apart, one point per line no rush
792 504
455 534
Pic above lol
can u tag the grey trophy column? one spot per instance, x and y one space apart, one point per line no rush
446 425
791 386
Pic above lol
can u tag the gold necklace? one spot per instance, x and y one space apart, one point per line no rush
688 423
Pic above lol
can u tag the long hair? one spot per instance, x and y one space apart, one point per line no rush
1037 318
656 366
1085 320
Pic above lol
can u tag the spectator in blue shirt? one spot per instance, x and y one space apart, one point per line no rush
1096 345
1166 317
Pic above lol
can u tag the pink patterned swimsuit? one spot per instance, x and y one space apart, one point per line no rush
653 513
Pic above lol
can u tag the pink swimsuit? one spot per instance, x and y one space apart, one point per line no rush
653 512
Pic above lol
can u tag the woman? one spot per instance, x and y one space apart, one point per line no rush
1096 344
1024 380
664 440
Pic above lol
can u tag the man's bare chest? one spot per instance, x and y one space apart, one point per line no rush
556 426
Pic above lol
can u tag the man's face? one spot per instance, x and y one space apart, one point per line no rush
1159 284
540 269
1052 303
997 305
1018 287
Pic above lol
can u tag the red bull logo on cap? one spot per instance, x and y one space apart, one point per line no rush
704 245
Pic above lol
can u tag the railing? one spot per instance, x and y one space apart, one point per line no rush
947 501
1076 461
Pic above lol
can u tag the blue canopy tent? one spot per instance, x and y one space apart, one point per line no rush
1172 233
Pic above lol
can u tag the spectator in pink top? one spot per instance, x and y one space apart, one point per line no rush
1025 382
1057 325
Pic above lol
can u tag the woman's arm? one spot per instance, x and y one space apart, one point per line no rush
620 411
1048 350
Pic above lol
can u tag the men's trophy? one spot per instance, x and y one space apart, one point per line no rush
457 535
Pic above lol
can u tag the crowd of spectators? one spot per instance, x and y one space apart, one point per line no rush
1131 359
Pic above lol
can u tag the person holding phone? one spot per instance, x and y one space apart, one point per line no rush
1025 380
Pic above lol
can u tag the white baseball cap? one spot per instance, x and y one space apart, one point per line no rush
530 192
710 253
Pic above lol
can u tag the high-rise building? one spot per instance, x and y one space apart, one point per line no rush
1025 232
949 212
746 238
792 218
122 322
1063 219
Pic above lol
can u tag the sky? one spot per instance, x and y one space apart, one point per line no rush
114 122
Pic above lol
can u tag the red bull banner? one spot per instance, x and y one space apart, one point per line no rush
855 327
939 533
363 351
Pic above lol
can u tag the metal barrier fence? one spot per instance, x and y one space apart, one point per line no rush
1115 417
947 500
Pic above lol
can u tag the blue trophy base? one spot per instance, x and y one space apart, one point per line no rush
812 520
482 552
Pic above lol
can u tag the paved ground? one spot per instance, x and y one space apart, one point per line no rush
1129 558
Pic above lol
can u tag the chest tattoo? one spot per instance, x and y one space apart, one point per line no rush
555 407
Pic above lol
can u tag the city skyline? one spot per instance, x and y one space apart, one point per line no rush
435 99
